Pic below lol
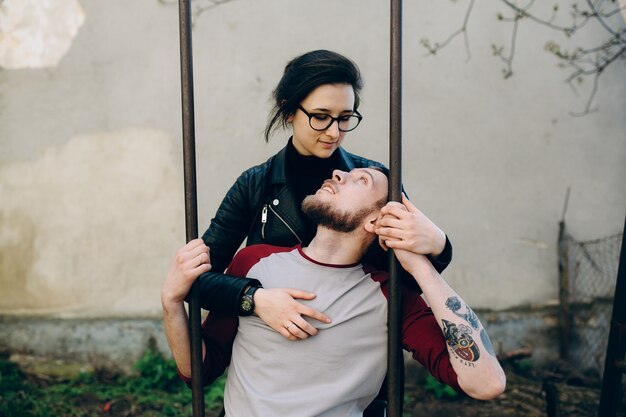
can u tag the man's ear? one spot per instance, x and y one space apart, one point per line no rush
371 223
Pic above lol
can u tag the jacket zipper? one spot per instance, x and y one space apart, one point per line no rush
281 219
263 221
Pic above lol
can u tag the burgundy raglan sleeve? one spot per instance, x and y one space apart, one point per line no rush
218 332
421 336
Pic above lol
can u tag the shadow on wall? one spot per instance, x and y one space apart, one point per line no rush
88 228
17 234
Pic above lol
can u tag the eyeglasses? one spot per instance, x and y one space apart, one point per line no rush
322 121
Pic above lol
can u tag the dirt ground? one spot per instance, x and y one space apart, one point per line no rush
524 397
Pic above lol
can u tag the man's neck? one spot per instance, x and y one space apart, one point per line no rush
336 248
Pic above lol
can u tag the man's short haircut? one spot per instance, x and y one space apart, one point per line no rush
381 203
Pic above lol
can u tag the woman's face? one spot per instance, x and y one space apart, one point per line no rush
331 99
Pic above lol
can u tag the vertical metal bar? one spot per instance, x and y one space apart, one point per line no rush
552 398
191 205
564 285
563 293
610 396
395 360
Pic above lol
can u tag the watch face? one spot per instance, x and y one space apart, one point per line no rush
246 303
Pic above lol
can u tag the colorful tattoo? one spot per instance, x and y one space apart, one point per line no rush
454 304
460 341
487 343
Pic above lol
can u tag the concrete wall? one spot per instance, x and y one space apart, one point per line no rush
91 204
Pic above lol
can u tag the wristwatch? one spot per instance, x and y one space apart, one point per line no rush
246 303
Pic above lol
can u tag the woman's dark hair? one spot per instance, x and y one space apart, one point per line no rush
304 74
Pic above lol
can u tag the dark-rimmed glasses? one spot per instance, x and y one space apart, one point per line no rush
322 121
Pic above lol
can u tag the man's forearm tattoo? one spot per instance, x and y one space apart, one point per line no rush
461 342
487 343
454 304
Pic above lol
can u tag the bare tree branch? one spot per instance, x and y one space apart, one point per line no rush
582 62
214 3
568 30
433 49
592 95
499 52
602 20
199 6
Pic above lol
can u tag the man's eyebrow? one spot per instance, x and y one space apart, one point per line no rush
368 173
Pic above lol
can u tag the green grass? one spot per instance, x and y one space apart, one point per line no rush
438 389
523 367
156 391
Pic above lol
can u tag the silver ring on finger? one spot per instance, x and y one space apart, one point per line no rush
200 259
287 327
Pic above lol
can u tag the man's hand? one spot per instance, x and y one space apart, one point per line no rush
278 308
415 264
403 226
191 261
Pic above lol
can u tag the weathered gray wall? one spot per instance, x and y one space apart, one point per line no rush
117 343
90 164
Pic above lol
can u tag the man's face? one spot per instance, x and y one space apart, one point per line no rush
344 202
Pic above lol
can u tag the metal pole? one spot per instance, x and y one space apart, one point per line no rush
191 205
563 293
564 312
395 360
614 367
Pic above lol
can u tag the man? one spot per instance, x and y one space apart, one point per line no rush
340 370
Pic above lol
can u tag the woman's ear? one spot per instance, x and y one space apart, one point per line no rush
290 117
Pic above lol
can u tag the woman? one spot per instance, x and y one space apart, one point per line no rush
318 96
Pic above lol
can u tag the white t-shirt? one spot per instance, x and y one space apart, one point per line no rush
339 371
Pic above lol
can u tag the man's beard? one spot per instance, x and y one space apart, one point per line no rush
323 214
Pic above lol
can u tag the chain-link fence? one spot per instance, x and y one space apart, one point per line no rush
589 281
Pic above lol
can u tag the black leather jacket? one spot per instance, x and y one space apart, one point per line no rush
261 207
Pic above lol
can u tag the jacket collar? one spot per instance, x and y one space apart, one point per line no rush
279 165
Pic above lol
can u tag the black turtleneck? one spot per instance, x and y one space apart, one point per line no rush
307 173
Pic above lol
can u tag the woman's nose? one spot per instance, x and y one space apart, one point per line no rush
333 130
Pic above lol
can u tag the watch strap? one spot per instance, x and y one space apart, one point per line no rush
246 304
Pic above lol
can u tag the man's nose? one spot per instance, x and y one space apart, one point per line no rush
339 175
333 130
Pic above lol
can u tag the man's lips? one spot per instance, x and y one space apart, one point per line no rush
328 186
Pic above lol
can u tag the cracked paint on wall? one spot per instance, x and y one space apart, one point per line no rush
90 227
37 33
